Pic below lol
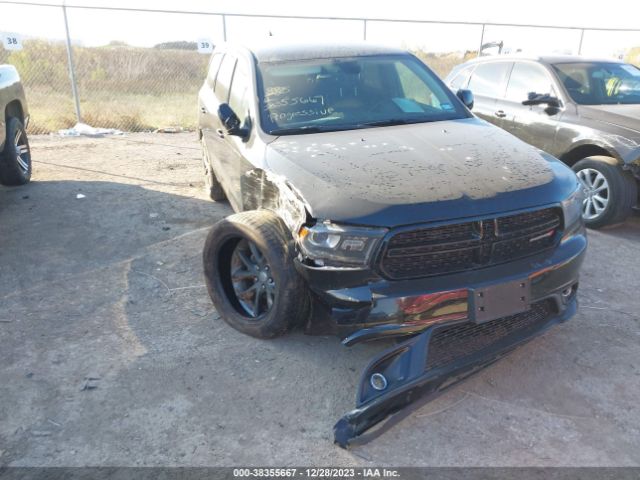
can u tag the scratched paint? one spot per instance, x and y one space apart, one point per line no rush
266 190
414 164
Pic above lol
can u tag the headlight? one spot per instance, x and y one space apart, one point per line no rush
327 243
572 209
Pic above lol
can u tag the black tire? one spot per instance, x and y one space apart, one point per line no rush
273 240
212 185
12 172
622 190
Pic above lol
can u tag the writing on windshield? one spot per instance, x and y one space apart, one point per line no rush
344 93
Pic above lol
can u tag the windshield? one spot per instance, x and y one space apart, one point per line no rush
600 83
347 93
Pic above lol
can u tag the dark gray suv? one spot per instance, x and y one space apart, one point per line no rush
584 112
370 203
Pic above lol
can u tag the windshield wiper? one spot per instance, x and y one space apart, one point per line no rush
395 121
307 129
302 129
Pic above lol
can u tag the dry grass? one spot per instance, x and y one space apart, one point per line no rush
139 112
131 89
130 112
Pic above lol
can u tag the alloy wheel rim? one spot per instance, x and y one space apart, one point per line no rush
22 151
252 279
596 191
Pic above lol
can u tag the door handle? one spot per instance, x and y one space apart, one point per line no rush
500 114
220 132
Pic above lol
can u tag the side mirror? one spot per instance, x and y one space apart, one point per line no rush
545 99
466 97
230 121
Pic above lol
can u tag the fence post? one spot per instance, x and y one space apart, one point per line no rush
224 27
72 73
364 24
481 40
580 44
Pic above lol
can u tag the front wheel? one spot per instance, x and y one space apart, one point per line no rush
610 192
15 160
250 276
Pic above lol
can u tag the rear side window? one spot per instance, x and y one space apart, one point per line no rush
461 79
488 79
528 78
223 80
239 96
214 66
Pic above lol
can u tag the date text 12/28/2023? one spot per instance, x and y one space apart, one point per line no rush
334 473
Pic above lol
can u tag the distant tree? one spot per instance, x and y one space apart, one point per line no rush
177 45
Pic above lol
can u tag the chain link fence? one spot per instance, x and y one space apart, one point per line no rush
140 70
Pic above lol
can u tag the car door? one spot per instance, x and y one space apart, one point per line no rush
240 99
487 83
207 102
535 124
214 135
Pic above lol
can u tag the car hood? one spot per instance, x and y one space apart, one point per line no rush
623 116
400 175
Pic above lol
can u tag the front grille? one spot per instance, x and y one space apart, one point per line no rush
449 344
470 245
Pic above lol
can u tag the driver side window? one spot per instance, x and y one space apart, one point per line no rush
223 79
239 94
214 66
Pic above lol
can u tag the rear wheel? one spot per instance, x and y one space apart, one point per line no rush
15 161
610 192
250 276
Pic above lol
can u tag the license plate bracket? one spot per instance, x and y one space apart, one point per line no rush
500 300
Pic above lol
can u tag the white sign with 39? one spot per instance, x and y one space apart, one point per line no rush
205 45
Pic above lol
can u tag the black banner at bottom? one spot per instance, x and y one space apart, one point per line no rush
405 473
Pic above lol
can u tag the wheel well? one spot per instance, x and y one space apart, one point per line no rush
14 109
584 151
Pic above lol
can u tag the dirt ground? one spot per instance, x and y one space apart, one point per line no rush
112 354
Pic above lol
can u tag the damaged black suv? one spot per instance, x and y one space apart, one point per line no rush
372 203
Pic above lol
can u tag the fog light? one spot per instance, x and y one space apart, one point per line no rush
378 381
567 293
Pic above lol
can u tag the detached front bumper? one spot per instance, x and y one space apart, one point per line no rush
422 365
450 336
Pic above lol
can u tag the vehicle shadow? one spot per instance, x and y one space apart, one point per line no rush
629 230
103 280
54 228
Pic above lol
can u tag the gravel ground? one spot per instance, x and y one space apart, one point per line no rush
112 354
